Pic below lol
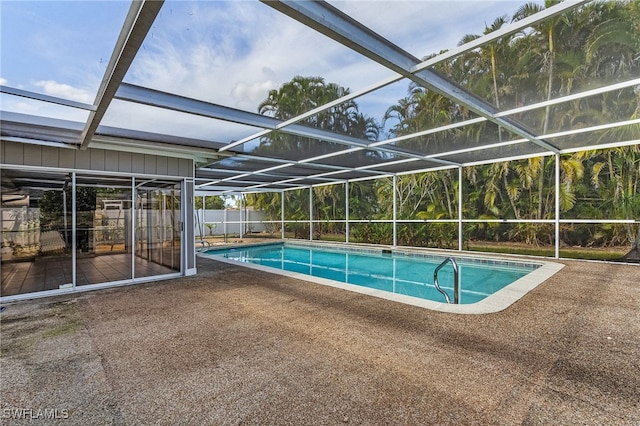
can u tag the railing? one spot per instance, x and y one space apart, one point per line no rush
456 280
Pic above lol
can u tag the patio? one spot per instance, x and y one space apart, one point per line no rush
48 273
232 345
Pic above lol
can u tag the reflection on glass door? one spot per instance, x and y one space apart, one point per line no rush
117 228
36 220
103 231
158 228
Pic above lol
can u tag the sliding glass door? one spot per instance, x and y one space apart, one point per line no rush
36 223
61 229
158 228
103 229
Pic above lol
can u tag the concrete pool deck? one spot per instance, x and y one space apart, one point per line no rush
233 345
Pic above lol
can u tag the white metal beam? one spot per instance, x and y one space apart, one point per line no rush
340 27
555 101
156 98
138 22
46 98
511 28
145 96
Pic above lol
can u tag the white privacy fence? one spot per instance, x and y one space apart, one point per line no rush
229 221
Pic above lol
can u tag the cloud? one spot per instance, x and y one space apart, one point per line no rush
423 27
249 95
47 109
25 107
233 53
65 91
156 120
43 109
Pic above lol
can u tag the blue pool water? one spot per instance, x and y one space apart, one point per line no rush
411 275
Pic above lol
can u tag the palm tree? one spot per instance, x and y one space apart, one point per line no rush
615 175
613 43
546 32
591 45
298 96
487 58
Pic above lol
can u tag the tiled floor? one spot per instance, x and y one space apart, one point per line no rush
50 273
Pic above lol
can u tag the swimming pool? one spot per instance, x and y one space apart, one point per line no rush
401 275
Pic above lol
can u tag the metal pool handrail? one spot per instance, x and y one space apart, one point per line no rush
456 280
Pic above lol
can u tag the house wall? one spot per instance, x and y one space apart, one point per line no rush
93 159
97 160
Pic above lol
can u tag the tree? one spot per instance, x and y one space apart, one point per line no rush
594 44
212 202
303 94
293 98
586 47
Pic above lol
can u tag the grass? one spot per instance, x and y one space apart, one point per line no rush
20 336
566 253
72 326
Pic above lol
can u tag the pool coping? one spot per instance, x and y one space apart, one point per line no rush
496 302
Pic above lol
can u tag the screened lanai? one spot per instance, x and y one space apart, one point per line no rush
397 123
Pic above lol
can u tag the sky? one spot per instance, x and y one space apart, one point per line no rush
226 52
